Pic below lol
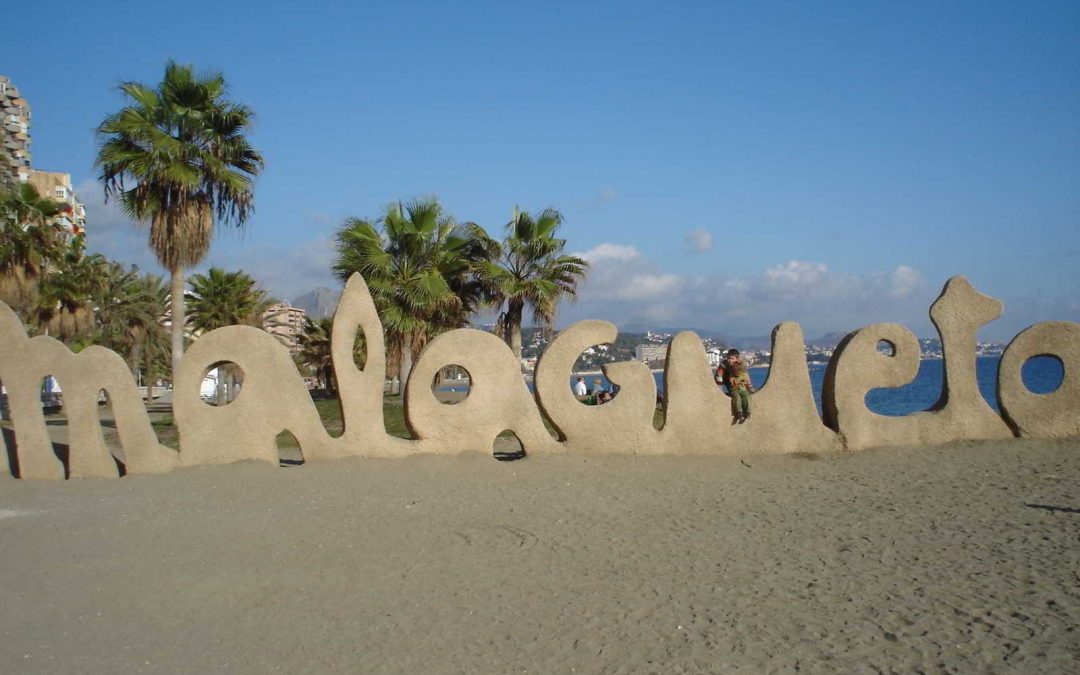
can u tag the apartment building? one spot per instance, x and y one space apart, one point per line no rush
652 352
15 160
56 186
14 134
286 322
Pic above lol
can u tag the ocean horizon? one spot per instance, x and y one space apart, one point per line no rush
1041 374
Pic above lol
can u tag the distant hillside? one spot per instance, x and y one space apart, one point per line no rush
829 340
319 303
753 343
641 329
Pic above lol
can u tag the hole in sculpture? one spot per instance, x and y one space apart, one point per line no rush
109 431
451 384
289 453
221 383
5 414
8 433
52 406
593 358
508 447
922 393
590 363
1043 373
886 347
598 389
359 352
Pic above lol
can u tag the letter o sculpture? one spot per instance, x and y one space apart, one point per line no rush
1053 415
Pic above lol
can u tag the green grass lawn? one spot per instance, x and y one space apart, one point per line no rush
330 414
394 419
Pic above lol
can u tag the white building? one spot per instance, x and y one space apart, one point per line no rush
286 322
650 352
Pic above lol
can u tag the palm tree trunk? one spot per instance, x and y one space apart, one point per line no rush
177 303
148 353
513 327
220 392
136 356
406 361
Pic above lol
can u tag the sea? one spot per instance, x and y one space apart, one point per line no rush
1041 375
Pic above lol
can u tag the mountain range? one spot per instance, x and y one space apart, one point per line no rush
319 303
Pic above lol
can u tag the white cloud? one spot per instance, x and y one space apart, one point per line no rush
904 281
795 272
698 241
625 287
602 252
643 287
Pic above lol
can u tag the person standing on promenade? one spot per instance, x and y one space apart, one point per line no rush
732 373
579 387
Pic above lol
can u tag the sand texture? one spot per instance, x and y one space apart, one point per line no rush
963 558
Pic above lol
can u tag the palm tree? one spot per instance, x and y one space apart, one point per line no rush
24 206
118 304
315 349
29 242
65 302
129 316
155 339
532 270
419 266
219 298
316 337
8 177
177 156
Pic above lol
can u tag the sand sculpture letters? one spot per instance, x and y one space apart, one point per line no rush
274 398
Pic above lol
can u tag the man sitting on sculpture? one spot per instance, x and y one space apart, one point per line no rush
733 374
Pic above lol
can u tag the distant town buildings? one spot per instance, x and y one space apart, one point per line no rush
650 352
15 146
651 348
286 322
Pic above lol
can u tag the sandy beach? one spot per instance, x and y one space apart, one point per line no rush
960 559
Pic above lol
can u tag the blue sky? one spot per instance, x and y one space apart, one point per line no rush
725 166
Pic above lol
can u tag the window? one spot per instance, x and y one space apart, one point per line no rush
60 193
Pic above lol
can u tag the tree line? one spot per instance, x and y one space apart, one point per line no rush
176 158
